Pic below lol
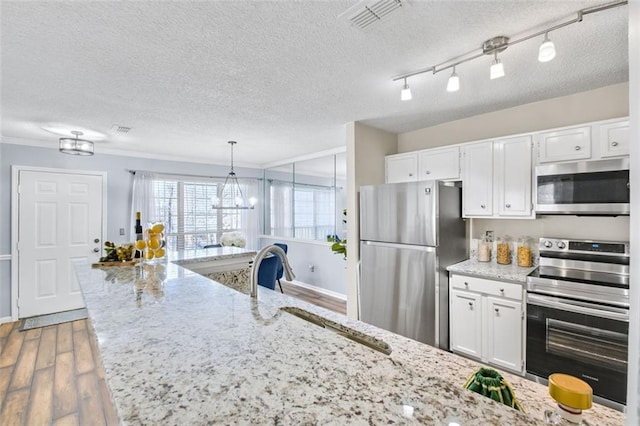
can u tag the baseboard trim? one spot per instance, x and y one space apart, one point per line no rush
320 290
5 319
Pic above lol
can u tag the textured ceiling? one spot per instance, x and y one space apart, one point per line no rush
280 77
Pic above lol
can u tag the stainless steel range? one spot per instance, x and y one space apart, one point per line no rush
578 315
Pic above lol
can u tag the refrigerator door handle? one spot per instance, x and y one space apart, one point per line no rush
401 246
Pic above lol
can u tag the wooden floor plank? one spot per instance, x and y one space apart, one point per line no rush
40 410
14 411
5 378
65 338
79 325
34 333
70 420
109 411
89 400
314 297
5 329
23 373
83 353
47 349
65 399
10 353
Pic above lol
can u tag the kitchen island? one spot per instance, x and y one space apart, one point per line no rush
178 348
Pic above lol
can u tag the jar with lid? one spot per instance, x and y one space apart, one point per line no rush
523 252
484 249
503 250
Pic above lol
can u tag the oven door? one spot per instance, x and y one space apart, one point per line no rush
584 188
581 339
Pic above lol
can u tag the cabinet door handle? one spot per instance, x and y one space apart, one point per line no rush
578 147
614 143
428 172
502 290
497 311
471 305
466 284
482 206
410 174
508 206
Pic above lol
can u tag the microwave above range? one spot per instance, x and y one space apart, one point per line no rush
589 188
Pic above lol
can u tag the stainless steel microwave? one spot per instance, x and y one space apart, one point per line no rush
598 188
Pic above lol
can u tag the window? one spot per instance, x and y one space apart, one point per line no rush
190 222
314 217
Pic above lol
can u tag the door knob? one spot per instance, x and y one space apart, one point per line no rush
97 240
578 147
614 143
96 250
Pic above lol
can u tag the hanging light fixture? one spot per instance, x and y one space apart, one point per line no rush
231 190
547 50
405 95
497 68
453 85
495 45
75 146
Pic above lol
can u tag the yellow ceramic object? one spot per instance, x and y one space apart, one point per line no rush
157 228
159 253
149 255
154 243
570 391
141 245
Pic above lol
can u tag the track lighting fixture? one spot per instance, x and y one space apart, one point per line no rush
495 45
453 85
547 50
497 68
405 95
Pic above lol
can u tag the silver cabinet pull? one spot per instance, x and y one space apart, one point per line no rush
482 206
508 206
428 172
497 311
466 284
471 305
578 147
502 290
410 174
614 143
96 250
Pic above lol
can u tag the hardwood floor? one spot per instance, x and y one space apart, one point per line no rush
314 297
52 376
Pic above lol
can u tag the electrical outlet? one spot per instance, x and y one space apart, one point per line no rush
312 268
489 235
121 231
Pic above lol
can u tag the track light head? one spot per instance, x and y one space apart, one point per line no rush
405 95
497 68
547 50
453 85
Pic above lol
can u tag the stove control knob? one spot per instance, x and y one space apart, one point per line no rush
547 244
561 245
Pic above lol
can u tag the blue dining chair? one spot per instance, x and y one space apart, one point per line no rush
268 271
280 272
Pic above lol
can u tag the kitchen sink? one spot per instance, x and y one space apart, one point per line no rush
349 333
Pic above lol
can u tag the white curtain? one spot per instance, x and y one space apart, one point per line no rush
281 201
143 199
251 218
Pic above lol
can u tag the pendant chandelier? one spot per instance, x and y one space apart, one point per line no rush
231 191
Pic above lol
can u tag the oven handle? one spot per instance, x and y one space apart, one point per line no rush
615 314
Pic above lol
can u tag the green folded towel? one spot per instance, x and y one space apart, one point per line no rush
490 383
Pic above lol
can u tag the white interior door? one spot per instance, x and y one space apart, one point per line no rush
60 222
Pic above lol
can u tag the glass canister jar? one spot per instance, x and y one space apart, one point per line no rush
484 249
523 253
503 250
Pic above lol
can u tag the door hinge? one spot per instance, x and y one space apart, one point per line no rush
522 365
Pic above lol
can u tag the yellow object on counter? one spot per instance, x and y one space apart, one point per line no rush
570 391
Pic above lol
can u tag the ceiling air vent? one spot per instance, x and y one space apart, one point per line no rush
368 12
120 129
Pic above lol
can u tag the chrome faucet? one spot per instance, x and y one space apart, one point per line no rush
258 260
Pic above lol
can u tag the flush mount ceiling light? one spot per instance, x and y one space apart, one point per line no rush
405 95
498 44
75 146
232 197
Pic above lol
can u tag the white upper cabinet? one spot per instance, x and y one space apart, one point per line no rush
513 177
439 163
477 178
564 145
401 167
614 139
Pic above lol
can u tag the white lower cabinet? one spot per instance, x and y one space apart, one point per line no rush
486 321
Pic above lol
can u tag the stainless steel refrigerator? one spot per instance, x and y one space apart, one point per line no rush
409 233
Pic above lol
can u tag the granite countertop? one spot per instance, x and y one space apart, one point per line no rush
185 257
178 348
492 269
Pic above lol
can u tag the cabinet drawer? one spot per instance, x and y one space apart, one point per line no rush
491 287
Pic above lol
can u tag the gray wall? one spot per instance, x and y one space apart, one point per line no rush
119 182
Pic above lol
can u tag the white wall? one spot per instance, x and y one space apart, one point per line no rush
329 269
119 182
366 149
633 388
599 104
